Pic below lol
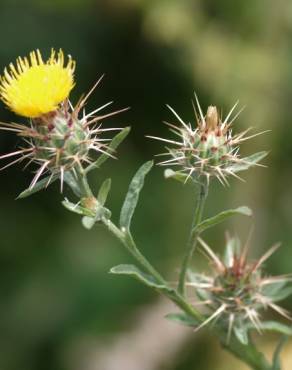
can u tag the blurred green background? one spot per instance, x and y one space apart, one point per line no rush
59 309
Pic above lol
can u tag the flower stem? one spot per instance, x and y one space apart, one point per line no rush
248 354
82 182
172 294
192 241
127 240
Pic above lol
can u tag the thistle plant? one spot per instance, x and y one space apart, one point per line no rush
66 143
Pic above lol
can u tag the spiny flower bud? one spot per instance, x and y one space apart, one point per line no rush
237 290
210 149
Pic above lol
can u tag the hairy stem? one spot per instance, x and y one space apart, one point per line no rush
192 241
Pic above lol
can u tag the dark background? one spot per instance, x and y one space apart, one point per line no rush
59 308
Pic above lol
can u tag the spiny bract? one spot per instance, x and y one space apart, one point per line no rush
209 149
237 290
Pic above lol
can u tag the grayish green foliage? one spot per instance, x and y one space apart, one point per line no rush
182 318
42 184
250 161
132 196
76 208
241 334
222 216
103 191
277 353
135 272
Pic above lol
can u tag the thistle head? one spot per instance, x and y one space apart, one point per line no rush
237 290
209 149
59 137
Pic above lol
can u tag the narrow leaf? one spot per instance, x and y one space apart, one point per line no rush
76 208
272 290
175 175
247 162
135 272
132 196
103 191
276 327
182 318
277 353
222 216
116 141
241 334
277 291
89 221
42 184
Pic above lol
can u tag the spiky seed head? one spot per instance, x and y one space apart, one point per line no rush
209 149
237 291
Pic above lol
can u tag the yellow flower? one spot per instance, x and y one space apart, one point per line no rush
34 87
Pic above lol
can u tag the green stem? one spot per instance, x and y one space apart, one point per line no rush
128 242
192 241
248 354
82 182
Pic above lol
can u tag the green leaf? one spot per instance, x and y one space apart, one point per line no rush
222 216
275 326
135 272
132 196
42 184
182 318
76 208
247 162
277 353
88 222
241 334
116 141
277 291
103 191
175 175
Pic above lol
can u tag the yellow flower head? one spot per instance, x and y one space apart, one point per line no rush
34 87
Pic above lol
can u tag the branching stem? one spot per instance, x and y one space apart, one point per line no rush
246 353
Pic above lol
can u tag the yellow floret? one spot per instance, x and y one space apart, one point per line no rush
34 87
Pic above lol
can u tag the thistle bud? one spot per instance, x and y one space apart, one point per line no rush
209 149
238 291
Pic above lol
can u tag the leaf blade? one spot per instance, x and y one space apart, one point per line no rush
222 216
247 162
134 271
132 196
103 191
183 319
41 184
